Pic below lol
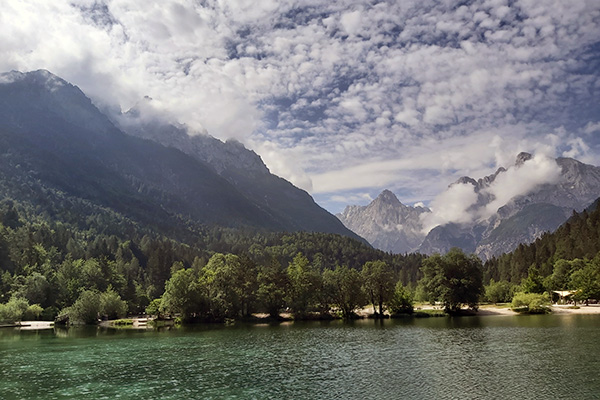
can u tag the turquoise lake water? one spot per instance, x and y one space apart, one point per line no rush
505 357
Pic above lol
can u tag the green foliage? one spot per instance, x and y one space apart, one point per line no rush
86 309
182 295
344 286
378 283
534 282
33 312
154 308
587 282
499 292
454 279
304 283
111 304
272 287
531 303
401 301
13 310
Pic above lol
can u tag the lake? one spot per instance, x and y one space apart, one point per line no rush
507 357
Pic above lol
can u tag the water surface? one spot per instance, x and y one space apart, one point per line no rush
524 357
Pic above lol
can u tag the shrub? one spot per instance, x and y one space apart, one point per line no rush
401 301
530 303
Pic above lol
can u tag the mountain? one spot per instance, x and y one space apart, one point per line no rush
386 223
55 142
513 205
294 208
576 239
524 217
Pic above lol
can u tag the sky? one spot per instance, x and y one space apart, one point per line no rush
342 98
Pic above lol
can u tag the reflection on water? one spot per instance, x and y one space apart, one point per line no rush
524 357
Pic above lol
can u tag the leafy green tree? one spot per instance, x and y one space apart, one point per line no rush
454 279
154 308
499 292
401 301
272 286
344 287
378 282
86 309
534 283
587 282
304 283
111 304
226 285
33 312
13 310
35 289
182 295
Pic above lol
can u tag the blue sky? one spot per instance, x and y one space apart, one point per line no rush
342 98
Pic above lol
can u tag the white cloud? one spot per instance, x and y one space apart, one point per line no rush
451 205
461 204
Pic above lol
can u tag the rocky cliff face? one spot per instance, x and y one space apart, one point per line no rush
386 223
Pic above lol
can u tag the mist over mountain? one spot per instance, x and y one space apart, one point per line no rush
491 215
53 139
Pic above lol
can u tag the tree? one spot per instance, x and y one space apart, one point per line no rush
304 282
378 282
344 287
587 282
454 279
534 282
499 292
530 303
111 304
86 309
14 309
272 286
229 285
401 301
181 296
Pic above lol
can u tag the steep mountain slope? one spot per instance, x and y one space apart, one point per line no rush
292 207
386 223
53 136
577 238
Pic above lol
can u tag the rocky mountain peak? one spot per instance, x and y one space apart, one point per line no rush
522 157
49 96
386 223
388 197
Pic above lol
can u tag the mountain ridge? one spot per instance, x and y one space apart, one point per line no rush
55 136
536 209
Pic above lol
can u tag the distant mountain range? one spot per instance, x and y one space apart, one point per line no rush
55 142
495 226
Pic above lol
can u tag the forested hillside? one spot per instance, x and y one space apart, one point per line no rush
52 256
578 238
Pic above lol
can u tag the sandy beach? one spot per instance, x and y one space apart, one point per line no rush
556 309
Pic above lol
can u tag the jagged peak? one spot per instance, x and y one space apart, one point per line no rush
522 158
387 197
466 180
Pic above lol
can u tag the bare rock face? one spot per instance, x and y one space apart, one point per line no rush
386 223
